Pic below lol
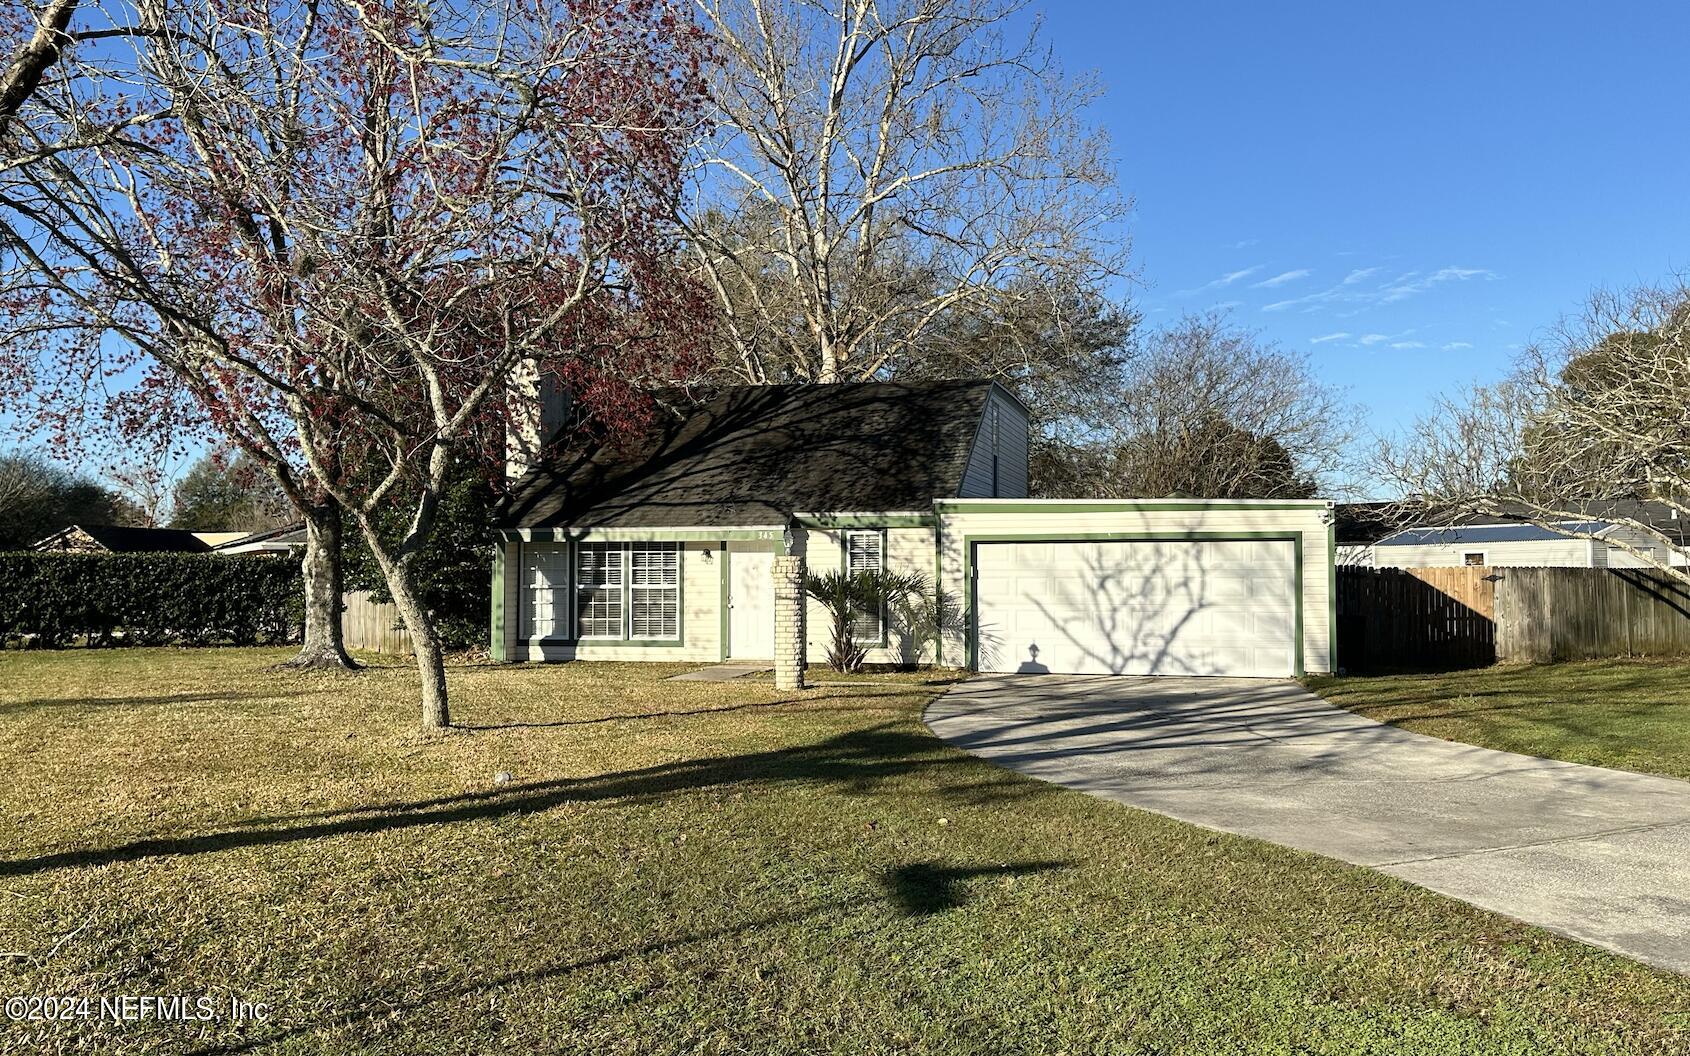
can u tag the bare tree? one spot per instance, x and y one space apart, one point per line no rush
98 99
1593 425
881 168
1206 409
352 226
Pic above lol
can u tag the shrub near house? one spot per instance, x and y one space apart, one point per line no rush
58 599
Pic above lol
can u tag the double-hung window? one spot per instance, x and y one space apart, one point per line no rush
866 552
628 591
545 587
654 591
598 590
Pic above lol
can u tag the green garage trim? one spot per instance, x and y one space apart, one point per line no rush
722 601
1332 596
970 542
973 507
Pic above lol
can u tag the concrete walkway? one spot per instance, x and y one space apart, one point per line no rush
1598 855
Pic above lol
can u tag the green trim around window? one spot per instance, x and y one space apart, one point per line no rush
845 566
938 589
825 521
973 506
573 560
496 618
971 601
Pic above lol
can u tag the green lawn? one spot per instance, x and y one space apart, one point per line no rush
693 868
1626 714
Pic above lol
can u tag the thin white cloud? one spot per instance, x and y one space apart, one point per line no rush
1414 283
1408 344
1225 280
1245 243
1281 279
1233 276
1373 339
1323 338
1360 290
1456 346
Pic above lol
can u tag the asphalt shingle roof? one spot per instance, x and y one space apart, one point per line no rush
122 539
756 454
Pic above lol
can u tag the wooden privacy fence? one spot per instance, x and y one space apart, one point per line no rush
1548 614
1391 618
372 625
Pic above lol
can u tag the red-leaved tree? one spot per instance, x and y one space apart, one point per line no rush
348 227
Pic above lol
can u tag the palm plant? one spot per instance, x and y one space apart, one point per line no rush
848 597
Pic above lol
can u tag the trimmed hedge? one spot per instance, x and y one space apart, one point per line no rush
56 599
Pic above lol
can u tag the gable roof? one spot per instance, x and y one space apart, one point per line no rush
753 455
121 539
288 535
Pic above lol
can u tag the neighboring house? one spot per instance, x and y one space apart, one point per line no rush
1359 526
285 541
120 539
664 548
1588 542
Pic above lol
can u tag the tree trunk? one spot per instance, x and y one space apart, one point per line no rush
401 581
321 571
20 78
431 664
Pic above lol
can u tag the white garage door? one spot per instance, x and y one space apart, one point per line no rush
1137 608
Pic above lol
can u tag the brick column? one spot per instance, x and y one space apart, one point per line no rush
789 621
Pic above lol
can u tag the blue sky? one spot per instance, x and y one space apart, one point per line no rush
1405 192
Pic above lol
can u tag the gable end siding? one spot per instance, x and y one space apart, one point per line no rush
1003 432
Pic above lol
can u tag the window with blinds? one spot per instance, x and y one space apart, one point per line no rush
545 591
628 591
865 552
598 590
654 591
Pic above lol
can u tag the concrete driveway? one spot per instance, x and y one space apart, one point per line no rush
1598 855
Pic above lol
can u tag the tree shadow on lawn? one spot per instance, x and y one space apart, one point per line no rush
18 706
920 889
755 705
854 762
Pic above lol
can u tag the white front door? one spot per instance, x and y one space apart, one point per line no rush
751 609
1174 607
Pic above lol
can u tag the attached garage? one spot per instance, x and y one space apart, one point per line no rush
1138 607
1148 587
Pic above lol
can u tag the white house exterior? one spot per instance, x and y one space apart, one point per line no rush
587 569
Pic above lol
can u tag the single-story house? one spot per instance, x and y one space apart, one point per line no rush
287 540
124 539
664 548
1592 540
